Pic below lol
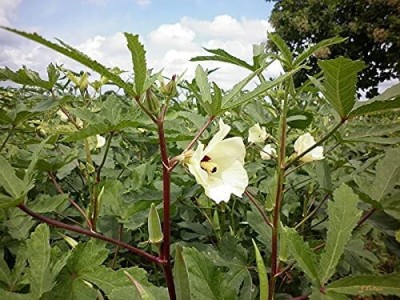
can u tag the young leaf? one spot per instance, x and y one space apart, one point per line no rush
139 61
262 273
343 216
366 285
303 254
202 83
340 83
77 56
181 276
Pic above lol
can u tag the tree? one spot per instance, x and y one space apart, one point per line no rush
371 26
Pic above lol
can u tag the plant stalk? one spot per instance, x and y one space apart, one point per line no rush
279 196
77 229
165 248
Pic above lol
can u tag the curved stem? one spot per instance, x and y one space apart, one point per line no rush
90 233
313 212
261 211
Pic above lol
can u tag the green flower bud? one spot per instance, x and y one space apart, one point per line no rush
154 226
169 90
151 102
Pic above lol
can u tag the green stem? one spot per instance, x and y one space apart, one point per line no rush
10 132
108 144
279 195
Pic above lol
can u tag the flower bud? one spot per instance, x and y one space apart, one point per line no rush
154 226
169 90
151 102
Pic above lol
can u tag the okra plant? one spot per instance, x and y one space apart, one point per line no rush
131 185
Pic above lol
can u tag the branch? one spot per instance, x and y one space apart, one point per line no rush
261 211
90 233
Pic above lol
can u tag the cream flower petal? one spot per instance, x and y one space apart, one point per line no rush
267 152
303 143
219 166
101 141
228 151
257 134
219 136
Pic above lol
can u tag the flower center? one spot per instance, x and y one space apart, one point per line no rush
209 166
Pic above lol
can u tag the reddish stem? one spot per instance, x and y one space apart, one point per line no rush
93 234
165 248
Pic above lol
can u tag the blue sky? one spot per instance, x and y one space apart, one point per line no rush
172 31
89 17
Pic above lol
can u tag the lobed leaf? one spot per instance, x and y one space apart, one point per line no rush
340 83
303 254
343 216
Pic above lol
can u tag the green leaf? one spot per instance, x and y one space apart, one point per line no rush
181 276
312 49
237 88
365 285
139 61
206 282
14 186
256 221
390 93
258 91
18 224
77 56
223 56
87 256
387 174
14 296
303 254
343 216
283 48
5 273
25 76
202 83
340 83
391 205
262 273
375 106
324 175
38 250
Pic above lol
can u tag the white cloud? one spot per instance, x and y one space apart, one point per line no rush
143 3
7 11
169 47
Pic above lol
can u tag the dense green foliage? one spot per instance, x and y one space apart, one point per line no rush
327 229
371 27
